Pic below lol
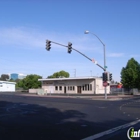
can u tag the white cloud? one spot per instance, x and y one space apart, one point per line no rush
20 37
115 55
134 55
30 38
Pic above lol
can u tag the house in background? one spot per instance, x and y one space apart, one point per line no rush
76 85
6 86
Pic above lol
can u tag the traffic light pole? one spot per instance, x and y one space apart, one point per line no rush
86 32
104 67
79 53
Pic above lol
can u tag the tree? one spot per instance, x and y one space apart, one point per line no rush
18 83
4 77
61 73
130 75
31 81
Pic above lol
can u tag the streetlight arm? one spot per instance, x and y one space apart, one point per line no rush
104 49
98 38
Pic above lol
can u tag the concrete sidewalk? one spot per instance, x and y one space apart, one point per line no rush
91 97
81 96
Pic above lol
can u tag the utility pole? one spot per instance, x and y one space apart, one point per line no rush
104 50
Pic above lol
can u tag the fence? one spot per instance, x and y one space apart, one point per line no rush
133 91
38 91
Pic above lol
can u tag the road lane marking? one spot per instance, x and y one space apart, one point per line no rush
99 135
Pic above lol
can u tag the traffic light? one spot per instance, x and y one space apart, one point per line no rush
110 77
69 47
105 78
48 44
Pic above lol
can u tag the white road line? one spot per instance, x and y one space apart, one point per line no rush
99 135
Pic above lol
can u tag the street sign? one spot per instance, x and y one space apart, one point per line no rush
94 61
105 84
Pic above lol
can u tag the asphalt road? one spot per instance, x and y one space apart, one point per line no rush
50 118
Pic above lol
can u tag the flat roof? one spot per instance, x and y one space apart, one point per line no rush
70 78
1 82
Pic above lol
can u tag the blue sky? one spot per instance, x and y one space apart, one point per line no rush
26 24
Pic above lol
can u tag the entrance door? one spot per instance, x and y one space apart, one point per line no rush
51 90
65 89
78 89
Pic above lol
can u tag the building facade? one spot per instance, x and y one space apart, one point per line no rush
6 86
21 76
16 76
81 85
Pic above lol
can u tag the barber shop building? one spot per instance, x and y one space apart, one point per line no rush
76 85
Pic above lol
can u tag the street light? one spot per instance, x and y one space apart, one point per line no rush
104 49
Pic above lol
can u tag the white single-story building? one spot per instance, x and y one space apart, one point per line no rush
80 85
7 86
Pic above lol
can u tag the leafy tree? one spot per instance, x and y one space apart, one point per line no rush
130 75
18 81
59 74
4 77
31 81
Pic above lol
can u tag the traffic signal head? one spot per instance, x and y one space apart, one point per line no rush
110 76
69 47
48 44
105 77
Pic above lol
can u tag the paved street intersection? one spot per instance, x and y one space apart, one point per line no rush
50 118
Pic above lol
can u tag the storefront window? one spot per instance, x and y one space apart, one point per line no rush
90 86
56 87
73 88
60 87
